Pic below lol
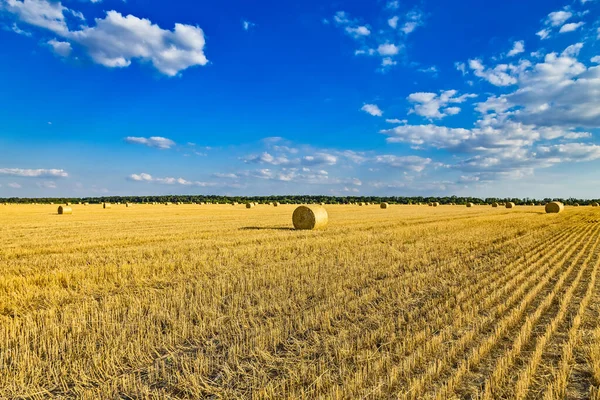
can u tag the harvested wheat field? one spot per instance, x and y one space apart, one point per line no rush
223 302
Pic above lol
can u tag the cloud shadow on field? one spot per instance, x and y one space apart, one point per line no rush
265 228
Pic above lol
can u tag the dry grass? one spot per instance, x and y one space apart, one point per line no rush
216 302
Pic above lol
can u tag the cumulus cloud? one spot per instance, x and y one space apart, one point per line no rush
518 48
14 185
34 173
430 105
63 49
247 25
372 109
116 40
497 76
570 27
318 158
388 49
154 141
558 18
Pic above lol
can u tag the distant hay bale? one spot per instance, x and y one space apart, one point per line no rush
361 204
64 210
510 204
430 204
595 204
310 217
106 205
86 204
276 204
576 205
469 204
384 205
322 203
554 207
67 204
494 205
128 204
249 205
435 203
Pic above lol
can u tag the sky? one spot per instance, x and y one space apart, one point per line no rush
390 98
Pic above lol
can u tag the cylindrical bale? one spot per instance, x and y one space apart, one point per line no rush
494 205
310 217
127 204
249 205
276 204
576 205
469 205
435 204
594 204
510 204
64 210
384 205
554 207
106 205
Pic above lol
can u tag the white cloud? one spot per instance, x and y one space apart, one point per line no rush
570 152
16 29
247 25
429 104
497 76
358 31
396 121
595 59
34 173
144 177
570 27
14 185
154 141
393 22
460 66
544 34
518 48
116 40
415 19
412 163
40 13
558 18
63 49
372 109
388 49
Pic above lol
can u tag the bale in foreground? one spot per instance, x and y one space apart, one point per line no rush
310 217
383 205
510 204
554 207
64 210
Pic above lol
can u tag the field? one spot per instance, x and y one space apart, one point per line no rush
220 301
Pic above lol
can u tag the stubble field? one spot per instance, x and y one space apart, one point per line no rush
220 301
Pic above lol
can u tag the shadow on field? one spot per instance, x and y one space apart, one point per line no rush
265 228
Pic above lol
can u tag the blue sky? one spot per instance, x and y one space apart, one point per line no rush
399 97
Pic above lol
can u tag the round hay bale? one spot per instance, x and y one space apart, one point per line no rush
310 217
64 210
106 205
494 205
384 205
128 204
435 204
595 204
249 205
554 207
576 205
469 205
276 204
510 204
